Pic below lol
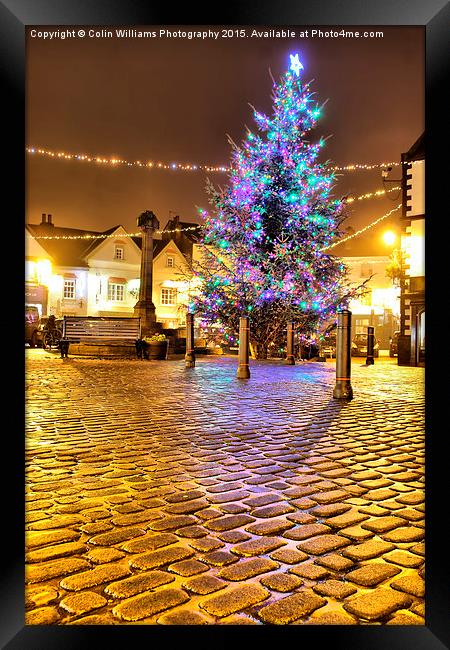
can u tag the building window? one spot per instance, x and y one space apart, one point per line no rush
69 289
170 262
118 253
168 296
116 292
366 270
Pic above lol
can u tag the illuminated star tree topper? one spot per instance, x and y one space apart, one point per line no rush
296 66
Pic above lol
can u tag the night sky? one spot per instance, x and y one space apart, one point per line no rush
174 100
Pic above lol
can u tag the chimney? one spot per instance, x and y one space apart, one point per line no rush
49 220
44 219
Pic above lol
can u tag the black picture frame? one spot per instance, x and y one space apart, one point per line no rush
434 15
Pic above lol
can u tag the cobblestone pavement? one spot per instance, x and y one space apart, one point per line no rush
160 494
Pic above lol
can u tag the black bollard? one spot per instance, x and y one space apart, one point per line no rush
290 359
243 371
343 388
190 352
64 348
370 346
300 347
141 349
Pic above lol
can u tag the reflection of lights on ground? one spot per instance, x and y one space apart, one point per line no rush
283 420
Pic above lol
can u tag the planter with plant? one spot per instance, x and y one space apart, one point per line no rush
156 346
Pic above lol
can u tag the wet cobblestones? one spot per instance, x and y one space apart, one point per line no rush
157 494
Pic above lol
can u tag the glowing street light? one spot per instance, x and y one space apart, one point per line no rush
389 238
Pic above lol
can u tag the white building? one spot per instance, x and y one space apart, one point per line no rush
380 305
367 259
76 272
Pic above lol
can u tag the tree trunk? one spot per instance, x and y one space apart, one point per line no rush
259 350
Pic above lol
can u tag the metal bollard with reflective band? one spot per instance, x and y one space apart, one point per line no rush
290 359
370 346
343 388
243 371
190 353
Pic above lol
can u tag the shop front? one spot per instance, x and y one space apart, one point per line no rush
37 295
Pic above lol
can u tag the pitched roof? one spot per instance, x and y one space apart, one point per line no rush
73 252
189 229
159 245
417 150
64 252
93 243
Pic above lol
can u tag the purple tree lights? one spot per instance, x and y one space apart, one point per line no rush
265 240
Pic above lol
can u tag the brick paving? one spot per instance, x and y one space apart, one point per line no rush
157 494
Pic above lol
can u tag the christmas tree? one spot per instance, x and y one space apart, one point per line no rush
265 241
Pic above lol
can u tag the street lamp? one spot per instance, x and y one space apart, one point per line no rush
389 237
386 181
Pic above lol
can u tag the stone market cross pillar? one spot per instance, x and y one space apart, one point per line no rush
148 223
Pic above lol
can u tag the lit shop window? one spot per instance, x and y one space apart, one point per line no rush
116 292
69 289
168 296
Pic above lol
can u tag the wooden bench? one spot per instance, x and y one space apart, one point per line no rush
105 336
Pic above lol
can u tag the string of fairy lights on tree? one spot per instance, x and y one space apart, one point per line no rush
266 237
176 166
